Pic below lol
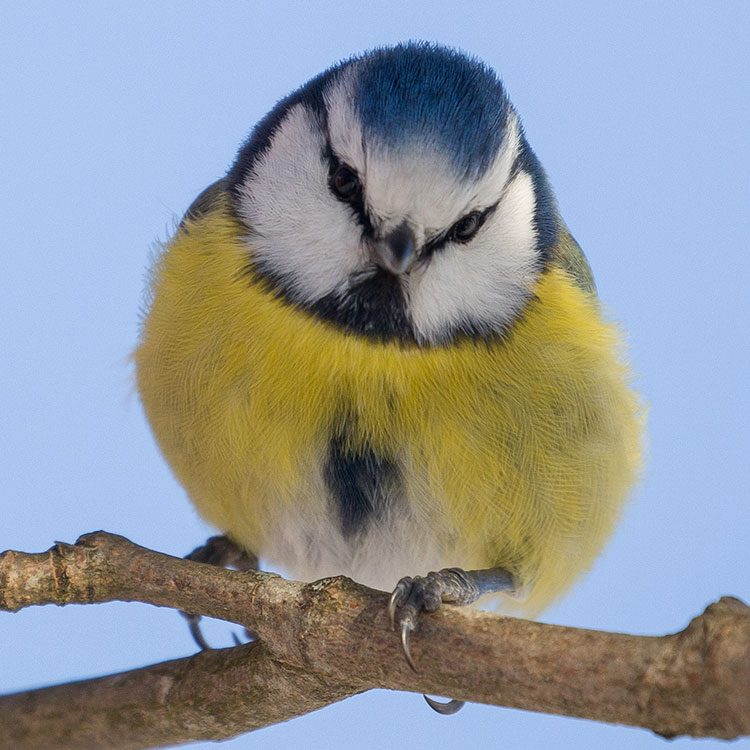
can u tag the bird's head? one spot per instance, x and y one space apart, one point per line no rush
395 194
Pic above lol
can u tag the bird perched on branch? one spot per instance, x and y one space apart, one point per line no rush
373 348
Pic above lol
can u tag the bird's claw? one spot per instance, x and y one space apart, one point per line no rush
447 708
425 594
222 552
195 630
406 629
410 597
202 643
398 598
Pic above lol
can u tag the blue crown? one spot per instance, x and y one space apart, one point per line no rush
413 92
436 96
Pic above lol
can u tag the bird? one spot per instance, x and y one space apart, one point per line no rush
373 348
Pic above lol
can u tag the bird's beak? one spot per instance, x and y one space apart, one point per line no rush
396 251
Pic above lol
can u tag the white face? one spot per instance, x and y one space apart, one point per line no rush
314 243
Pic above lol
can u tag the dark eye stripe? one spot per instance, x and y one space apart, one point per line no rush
345 183
357 200
448 236
465 228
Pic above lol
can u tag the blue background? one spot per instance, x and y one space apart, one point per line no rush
115 117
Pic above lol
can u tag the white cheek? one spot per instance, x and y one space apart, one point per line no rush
487 281
299 231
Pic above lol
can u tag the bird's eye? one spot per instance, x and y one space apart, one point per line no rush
345 183
465 228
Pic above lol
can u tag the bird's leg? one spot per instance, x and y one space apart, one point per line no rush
426 593
224 553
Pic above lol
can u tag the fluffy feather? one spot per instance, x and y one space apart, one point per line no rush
516 450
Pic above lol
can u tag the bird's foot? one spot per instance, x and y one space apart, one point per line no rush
224 553
426 593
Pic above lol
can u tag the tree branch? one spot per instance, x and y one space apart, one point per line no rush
324 641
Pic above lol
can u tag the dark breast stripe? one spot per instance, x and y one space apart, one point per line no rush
360 483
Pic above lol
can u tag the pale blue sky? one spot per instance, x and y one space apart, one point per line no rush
115 116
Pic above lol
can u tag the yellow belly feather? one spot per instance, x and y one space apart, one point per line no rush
519 452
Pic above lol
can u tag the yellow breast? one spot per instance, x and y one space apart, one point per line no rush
516 452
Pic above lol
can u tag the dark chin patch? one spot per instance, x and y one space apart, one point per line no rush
373 306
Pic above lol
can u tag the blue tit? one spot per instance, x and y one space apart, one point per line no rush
373 348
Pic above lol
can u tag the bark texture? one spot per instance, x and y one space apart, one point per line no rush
324 641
